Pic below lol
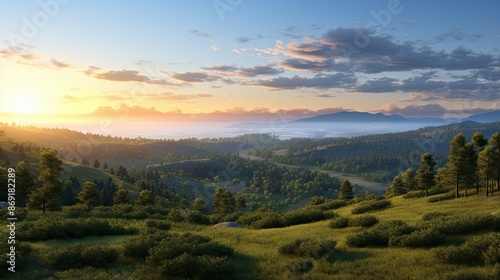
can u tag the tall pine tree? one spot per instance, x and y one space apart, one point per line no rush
425 175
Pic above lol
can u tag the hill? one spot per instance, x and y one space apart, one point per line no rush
346 117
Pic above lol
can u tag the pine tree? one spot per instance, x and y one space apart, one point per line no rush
425 175
198 204
105 166
96 164
461 163
85 162
24 182
47 196
223 202
479 143
121 196
146 197
495 141
90 194
487 166
345 190
410 179
240 202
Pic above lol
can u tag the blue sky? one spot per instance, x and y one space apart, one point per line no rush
414 58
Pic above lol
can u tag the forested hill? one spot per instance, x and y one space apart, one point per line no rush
380 156
139 152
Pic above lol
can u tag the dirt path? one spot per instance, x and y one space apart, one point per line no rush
378 188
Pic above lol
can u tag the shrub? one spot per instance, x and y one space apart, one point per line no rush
463 224
414 194
304 216
433 215
308 248
363 221
61 228
447 196
330 205
485 249
366 206
79 255
187 257
419 238
379 235
158 224
302 266
339 222
137 247
271 220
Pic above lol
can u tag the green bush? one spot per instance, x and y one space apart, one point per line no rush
363 221
414 194
79 255
271 220
481 249
137 247
370 205
158 224
419 238
463 224
379 235
433 215
447 196
330 205
339 222
186 257
84 273
62 228
308 248
301 267
304 216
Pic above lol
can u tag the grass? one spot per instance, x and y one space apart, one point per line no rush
256 254
259 248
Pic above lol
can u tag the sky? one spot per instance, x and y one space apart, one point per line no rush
204 58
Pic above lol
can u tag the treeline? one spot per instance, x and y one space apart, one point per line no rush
380 156
470 166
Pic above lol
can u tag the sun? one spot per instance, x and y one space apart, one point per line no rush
24 100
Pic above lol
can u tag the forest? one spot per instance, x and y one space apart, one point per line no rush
146 208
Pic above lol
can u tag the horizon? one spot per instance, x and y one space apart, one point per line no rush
214 60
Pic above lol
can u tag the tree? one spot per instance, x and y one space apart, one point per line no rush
47 195
487 166
199 204
85 162
495 141
240 202
105 166
24 182
345 190
479 143
146 197
425 175
223 201
461 163
121 196
410 179
90 194
96 164
397 187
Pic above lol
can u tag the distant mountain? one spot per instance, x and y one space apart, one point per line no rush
485 117
362 117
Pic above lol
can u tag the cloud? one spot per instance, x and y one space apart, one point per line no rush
194 77
59 64
248 39
324 95
456 34
221 68
164 96
418 111
124 76
199 33
67 99
336 80
259 70
370 52
214 47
